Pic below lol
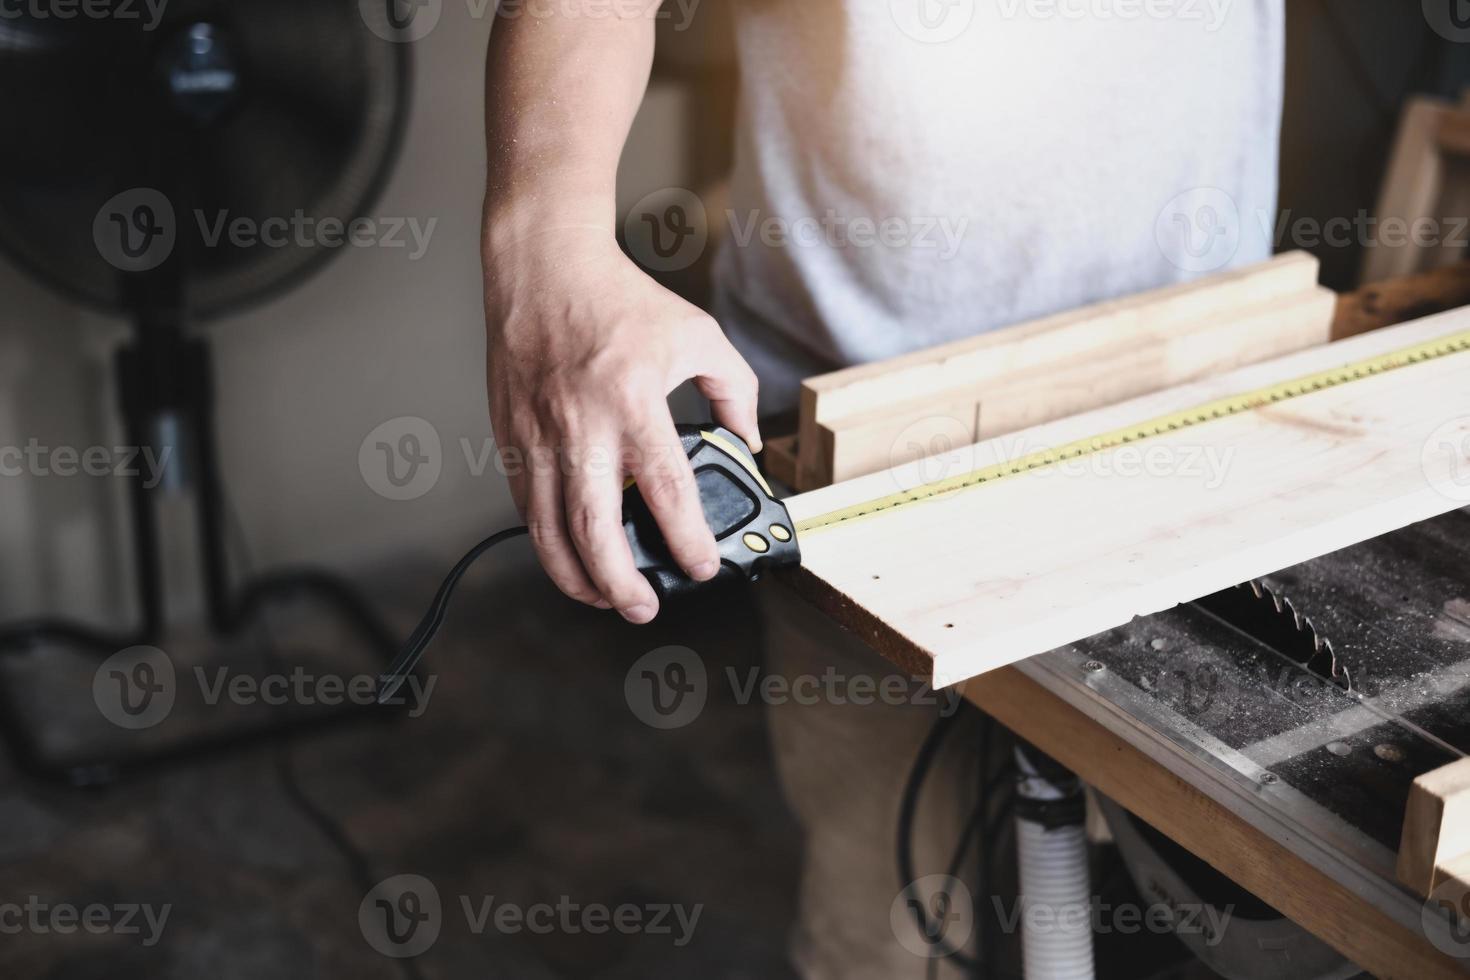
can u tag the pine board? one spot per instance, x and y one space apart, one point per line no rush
967 583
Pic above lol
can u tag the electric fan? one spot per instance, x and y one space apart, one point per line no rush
124 135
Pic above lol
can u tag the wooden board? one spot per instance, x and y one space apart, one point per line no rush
1428 178
1434 852
961 371
1087 378
979 579
1383 304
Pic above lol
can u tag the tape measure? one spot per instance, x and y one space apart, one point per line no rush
754 531
1162 425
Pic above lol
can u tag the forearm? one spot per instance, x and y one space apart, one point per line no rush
560 95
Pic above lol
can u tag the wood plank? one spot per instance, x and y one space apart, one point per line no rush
1097 329
779 459
1383 304
975 580
1065 385
1287 881
1435 846
1411 187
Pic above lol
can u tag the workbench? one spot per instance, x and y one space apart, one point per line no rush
1261 757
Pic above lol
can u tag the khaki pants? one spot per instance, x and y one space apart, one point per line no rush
843 767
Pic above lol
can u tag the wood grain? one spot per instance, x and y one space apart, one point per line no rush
982 578
961 371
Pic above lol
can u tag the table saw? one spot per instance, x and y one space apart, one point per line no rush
1275 729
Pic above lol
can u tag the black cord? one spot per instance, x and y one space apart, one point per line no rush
390 681
284 765
908 806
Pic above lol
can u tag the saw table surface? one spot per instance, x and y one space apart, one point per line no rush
1237 695
1272 728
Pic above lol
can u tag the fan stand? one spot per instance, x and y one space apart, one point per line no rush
165 382
161 375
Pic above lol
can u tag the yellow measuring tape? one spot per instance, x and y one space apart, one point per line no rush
1198 415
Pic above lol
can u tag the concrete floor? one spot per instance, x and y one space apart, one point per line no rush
528 779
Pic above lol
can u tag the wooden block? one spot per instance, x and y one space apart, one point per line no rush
872 441
1385 303
1093 331
1435 845
779 459
974 580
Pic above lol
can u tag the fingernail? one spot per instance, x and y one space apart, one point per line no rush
640 613
602 604
704 570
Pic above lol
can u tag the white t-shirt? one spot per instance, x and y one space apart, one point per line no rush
912 171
